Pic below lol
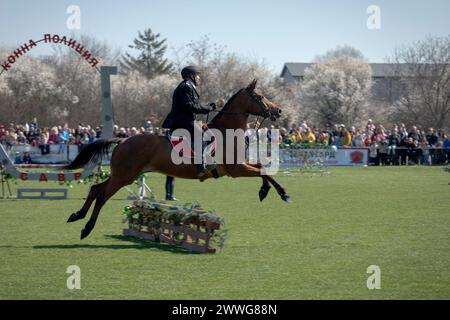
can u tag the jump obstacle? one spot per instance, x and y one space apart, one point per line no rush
189 227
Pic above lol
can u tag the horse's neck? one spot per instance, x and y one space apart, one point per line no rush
234 117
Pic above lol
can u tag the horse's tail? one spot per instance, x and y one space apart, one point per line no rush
92 152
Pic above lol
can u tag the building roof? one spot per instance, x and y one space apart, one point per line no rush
379 70
296 69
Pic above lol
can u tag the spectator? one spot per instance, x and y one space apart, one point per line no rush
414 135
446 146
27 158
373 153
17 158
358 139
115 130
148 126
34 125
83 141
10 139
368 140
393 142
346 138
424 154
78 133
441 135
92 136
2 131
64 135
335 135
54 136
98 132
122 133
383 152
43 144
295 134
309 136
432 140
370 125
21 138
324 137
411 151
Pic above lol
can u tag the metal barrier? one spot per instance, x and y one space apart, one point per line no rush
23 193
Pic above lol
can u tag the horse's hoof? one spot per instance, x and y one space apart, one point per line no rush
263 193
84 233
286 198
73 217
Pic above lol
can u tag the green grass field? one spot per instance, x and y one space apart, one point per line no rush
317 247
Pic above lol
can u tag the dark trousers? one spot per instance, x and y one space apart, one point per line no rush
383 158
402 155
412 155
170 183
45 149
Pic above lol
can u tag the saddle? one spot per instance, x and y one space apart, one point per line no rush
180 144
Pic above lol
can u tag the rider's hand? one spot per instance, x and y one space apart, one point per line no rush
220 103
213 106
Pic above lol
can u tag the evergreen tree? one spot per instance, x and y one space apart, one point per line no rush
150 62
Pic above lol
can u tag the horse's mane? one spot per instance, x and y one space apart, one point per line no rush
229 102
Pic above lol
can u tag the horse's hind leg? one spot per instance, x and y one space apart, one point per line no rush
93 192
106 192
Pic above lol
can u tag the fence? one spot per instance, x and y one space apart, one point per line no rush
332 156
384 155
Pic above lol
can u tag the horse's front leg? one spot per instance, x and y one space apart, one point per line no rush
246 170
265 187
280 189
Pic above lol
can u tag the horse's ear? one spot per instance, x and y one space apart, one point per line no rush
252 85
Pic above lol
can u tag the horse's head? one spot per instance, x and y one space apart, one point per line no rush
259 105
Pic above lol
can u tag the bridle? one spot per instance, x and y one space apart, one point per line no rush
265 112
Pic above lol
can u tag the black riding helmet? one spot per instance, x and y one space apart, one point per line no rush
189 70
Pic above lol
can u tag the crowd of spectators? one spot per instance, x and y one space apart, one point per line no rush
43 137
395 146
386 146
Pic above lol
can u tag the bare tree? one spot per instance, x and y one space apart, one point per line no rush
31 89
137 98
423 71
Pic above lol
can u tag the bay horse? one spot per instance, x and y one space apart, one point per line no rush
152 153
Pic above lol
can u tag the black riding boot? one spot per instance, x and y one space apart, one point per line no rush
169 188
201 167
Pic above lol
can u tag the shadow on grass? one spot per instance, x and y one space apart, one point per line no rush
139 244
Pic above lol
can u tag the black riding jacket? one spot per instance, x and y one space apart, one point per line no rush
185 104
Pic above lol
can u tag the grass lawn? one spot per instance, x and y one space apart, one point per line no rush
317 247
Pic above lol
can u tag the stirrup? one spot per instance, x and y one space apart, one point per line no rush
205 170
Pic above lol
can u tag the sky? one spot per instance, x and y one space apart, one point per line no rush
272 31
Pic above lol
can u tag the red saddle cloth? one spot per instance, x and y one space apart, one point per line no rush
180 144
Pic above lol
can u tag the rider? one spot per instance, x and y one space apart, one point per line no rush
185 104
